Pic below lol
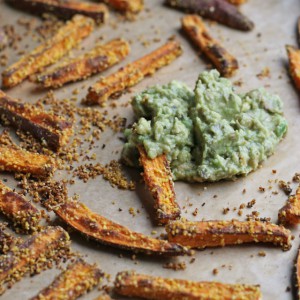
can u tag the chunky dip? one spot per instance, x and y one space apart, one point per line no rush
210 134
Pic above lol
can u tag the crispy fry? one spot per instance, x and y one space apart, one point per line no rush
7 241
97 60
33 255
18 209
205 234
132 73
105 231
218 10
158 178
64 9
237 2
78 279
3 39
129 283
127 6
290 213
48 53
51 130
294 64
196 30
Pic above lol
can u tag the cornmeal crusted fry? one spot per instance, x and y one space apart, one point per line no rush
129 283
51 130
290 213
7 241
48 53
94 226
97 60
33 255
158 178
127 6
222 233
294 64
64 9
217 10
78 279
196 30
132 73
18 209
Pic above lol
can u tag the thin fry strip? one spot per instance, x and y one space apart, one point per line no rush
51 130
294 64
97 60
132 73
7 241
129 283
105 231
196 30
217 10
48 53
158 178
64 9
127 6
33 255
18 209
78 279
205 234
290 213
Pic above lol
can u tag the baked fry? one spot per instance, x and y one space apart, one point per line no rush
67 37
18 209
196 30
105 231
129 283
294 64
205 234
290 213
97 60
237 2
3 39
7 241
158 178
132 73
33 255
218 10
78 279
127 6
63 9
51 130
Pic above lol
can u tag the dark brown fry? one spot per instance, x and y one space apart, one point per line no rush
217 10
33 255
220 57
18 209
63 9
3 39
67 37
127 6
131 284
97 60
132 73
158 178
222 233
78 279
51 130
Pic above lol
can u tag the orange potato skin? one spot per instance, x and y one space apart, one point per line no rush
294 64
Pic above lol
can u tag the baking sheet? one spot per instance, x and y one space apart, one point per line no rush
275 22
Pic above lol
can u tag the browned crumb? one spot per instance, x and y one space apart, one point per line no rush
262 253
283 185
296 177
215 271
226 210
265 72
261 189
175 266
251 203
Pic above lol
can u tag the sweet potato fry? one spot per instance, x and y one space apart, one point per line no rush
51 130
205 234
18 209
196 30
96 227
158 178
132 73
129 283
97 60
78 279
63 9
3 39
6 240
294 64
48 53
33 255
126 6
237 2
290 213
218 10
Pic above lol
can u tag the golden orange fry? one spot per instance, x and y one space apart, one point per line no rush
237 2
149 287
294 64
132 73
127 6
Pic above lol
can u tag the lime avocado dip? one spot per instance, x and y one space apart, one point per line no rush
210 134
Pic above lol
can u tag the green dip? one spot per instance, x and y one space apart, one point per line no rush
210 134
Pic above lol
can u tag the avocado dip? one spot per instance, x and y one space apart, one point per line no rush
210 134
